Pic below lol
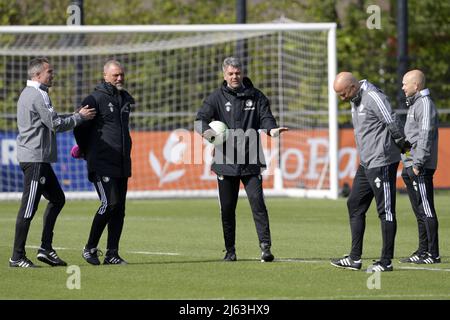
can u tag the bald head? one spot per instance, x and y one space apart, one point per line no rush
346 85
114 73
413 82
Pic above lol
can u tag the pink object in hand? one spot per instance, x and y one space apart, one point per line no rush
75 152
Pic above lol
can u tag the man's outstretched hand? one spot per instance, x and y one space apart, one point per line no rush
275 132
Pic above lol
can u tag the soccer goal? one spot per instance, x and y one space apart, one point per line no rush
170 69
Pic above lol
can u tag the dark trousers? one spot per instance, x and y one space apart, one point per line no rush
228 197
378 183
38 179
112 193
421 195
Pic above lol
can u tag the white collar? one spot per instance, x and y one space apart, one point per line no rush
424 92
363 84
35 84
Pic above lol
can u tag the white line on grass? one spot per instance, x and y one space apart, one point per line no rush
298 260
405 268
422 268
56 248
277 259
155 253
135 252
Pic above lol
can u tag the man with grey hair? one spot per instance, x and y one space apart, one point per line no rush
105 143
379 141
243 108
38 124
420 163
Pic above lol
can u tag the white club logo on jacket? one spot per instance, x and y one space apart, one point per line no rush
360 110
249 105
228 106
111 107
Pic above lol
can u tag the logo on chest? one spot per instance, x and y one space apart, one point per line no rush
360 110
111 107
249 105
228 106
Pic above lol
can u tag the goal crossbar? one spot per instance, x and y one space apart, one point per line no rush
170 28
217 33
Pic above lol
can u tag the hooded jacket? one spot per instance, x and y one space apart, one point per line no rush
245 110
105 140
421 130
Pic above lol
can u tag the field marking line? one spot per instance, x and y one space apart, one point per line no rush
56 248
298 260
423 268
276 259
405 268
156 253
135 252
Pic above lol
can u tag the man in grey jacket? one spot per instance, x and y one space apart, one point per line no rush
379 141
38 123
419 165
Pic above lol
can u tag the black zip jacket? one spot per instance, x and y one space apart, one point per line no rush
244 108
105 140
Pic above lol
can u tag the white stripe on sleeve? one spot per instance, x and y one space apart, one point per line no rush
426 114
381 106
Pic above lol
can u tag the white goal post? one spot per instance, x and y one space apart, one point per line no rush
170 69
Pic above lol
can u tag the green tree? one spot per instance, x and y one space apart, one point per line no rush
372 53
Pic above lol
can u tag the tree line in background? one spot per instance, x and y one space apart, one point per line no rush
368 53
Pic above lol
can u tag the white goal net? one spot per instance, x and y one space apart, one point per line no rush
169 71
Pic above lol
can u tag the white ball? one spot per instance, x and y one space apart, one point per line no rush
222 132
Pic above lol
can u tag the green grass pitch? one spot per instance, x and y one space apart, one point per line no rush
174 248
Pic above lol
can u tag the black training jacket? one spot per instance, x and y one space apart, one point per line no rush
245 108
105 140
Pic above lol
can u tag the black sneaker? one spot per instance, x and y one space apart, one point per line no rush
266 255
413 258
112 257
50 257
91 256
379 267
347 263
428 259
22 263
230 255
